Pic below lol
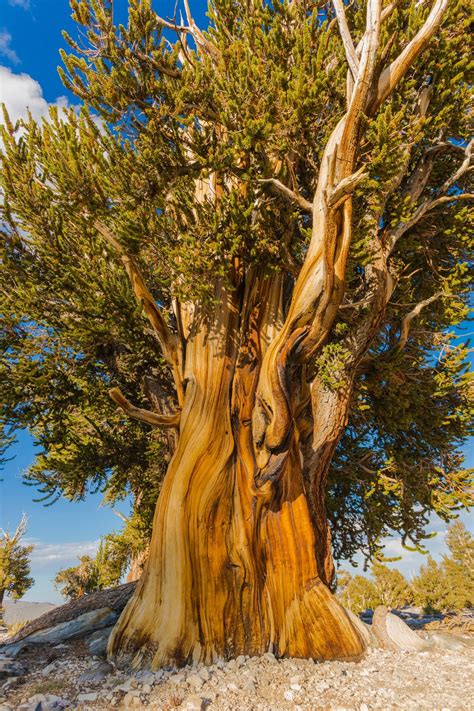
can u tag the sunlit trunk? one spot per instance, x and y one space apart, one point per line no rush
330 411
232 567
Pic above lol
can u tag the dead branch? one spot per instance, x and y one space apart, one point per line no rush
288 193
138 413
344 31
168 340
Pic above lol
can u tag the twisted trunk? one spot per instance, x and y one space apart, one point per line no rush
232 566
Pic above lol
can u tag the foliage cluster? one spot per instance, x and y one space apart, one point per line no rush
152 127
15 579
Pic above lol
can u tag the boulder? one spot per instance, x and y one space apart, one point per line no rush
8 667
97 642
78 627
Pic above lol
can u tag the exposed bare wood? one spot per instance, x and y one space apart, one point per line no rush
288 193
120 515
173 26
138 413
346 187
14 538
295 615
405 329
351 56
392 75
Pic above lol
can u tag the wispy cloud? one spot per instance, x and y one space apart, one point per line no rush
6 49
20 93
59 554
25 4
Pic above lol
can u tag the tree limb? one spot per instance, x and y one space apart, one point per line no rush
165 336
344 31
138 413
168 71
19 533
392 74
169 342
287 192
346 187
394 234
405 328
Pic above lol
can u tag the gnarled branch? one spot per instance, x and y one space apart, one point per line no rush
344 31
346 187
392 74
167 339
138 413
288 193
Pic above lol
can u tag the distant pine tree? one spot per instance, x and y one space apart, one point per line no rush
458 568
15 579
79 580
392 588
358 593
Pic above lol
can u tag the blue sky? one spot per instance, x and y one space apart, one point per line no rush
30 37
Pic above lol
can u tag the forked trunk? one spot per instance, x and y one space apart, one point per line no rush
232 566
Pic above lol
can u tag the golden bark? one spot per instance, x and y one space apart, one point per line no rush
232 566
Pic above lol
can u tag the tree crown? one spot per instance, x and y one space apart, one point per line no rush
193 162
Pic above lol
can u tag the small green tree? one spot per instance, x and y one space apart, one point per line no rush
393 589
14 564
458 568
461 546
358 593
78 580
429 587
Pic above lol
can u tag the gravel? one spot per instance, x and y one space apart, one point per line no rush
413 681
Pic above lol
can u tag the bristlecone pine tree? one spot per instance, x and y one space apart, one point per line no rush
392 588
253 238
358 593
450 585
15 578
78 580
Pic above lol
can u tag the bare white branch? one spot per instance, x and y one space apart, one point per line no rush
346 187
287 192
344 31
392 74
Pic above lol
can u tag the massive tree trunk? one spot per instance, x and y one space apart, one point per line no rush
232 566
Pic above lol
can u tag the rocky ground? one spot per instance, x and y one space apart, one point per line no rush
58 661
67 676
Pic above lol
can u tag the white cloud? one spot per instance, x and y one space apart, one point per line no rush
25 4
20 92
58 555
5 47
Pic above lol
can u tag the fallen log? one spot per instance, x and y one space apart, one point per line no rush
115 599
80 626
